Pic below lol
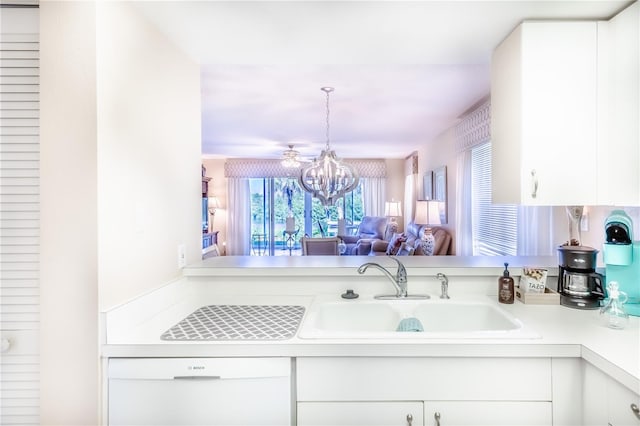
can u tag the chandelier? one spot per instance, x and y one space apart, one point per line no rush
327 178
290 158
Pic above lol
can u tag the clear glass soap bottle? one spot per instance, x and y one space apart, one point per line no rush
613 314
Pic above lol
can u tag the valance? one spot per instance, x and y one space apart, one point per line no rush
271 168
475 127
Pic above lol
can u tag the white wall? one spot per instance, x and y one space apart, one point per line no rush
149 174
436 153
120 183
69 219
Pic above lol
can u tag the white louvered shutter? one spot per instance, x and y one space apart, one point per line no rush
19 228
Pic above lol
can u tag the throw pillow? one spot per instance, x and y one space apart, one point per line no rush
395 243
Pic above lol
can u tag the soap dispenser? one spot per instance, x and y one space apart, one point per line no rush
505 286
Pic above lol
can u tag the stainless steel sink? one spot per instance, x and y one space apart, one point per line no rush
367 318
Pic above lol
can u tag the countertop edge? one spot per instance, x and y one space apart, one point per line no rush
374 350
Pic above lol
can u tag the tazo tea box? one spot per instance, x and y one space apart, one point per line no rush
533 280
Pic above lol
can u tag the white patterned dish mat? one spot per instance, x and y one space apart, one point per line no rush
238 322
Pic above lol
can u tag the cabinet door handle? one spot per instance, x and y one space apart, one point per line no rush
534 184
436 416
409 420
635 410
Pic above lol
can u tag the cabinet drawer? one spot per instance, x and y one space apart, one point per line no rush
382 413
380 379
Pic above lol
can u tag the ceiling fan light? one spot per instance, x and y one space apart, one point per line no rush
290 159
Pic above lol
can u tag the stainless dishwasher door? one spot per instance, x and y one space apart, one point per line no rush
199 391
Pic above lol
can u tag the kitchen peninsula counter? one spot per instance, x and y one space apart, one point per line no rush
134 329
346 265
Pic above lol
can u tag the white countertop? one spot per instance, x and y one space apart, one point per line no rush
134 329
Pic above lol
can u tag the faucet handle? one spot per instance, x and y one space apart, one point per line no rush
401 273
444 285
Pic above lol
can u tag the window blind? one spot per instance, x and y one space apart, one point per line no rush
19 228
495 226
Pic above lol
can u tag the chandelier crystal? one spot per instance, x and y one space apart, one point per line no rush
328 178
290 158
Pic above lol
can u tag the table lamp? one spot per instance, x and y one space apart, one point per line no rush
428 213
392 209
213 204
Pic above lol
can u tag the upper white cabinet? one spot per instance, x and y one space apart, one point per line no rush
565 113
544 114
619 114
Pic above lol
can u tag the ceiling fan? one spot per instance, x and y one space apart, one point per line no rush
291 158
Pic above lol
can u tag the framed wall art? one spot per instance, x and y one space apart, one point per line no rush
440 190
427 186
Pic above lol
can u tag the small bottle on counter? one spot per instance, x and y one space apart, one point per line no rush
505 286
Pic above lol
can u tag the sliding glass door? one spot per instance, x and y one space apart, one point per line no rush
281 213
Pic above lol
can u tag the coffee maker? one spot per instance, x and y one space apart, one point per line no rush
579 285
622 258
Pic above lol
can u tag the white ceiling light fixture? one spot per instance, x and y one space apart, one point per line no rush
290 158
328 178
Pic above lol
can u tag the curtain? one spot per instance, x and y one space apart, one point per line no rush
239 219
410 188
464 224
373 196
535 231
409 198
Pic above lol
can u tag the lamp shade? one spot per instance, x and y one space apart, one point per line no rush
428 212
214 203
392 209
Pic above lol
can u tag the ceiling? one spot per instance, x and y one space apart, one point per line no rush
403 71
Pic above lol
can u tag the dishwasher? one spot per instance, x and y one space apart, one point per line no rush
199 391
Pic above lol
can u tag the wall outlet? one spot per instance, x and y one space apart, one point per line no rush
182 256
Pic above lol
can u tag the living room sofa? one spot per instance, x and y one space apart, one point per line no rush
371 229
413 234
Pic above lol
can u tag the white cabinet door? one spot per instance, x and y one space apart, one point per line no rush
489 413
360 413
619 113
544 115
605 401
619 400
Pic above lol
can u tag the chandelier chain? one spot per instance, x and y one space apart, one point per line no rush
328 125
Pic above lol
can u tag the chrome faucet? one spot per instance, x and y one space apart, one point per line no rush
399 281
444 285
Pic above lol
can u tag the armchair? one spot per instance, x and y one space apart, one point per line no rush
371 228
